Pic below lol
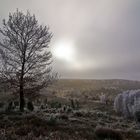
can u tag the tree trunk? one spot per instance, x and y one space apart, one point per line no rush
22 103
21 90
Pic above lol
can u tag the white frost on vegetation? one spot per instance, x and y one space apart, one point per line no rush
103 98
127 103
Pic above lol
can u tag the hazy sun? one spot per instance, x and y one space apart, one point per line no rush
64 49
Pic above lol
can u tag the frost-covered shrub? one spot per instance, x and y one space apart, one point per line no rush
127 103
118 103
103 98
136 109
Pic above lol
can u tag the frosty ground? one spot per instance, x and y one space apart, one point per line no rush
68 112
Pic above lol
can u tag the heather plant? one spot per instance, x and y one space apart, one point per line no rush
103 133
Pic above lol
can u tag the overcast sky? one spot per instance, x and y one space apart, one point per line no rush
103 36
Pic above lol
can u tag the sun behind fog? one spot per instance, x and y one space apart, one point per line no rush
64 50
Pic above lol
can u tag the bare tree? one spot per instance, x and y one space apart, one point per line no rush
24 54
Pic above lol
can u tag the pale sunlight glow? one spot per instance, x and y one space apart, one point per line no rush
64 50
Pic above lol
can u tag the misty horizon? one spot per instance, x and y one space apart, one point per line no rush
100 79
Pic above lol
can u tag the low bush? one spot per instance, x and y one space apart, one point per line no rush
103 133
127 103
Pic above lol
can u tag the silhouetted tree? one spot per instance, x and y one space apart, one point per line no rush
25 56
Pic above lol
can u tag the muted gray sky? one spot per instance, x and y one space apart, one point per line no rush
92 38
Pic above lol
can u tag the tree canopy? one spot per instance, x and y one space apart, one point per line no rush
24 54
